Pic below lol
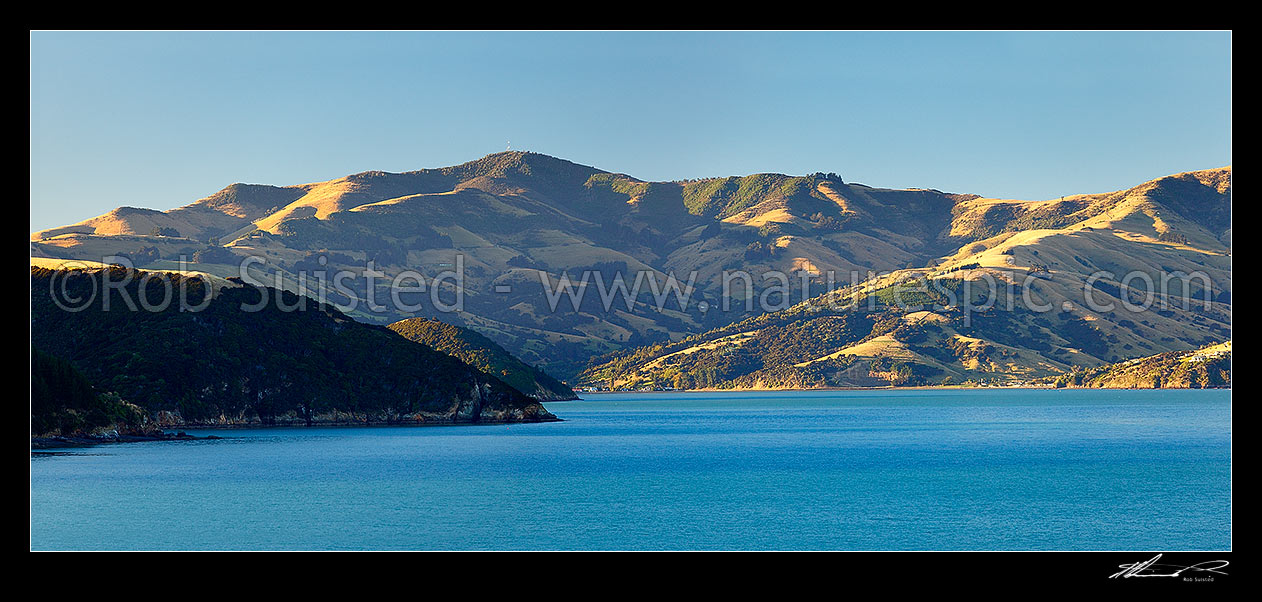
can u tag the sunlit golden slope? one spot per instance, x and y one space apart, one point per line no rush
1070 267
215 216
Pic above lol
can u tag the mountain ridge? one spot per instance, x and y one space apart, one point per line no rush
518 217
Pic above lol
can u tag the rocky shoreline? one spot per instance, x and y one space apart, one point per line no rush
464 413
60 441
63 441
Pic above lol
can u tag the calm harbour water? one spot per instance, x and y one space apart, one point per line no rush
843 470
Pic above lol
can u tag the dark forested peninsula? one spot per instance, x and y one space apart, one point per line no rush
222 364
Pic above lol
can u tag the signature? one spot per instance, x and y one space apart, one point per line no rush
1150 568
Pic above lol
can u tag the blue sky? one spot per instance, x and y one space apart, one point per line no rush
160 119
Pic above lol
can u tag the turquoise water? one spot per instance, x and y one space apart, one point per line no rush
870 470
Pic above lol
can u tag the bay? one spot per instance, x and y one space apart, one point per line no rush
827 470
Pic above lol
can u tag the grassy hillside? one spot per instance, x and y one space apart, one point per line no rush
938 325
516 219
874 343
223 364
1209 366
484 354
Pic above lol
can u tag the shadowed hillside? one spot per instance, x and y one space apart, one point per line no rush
246 355
484 354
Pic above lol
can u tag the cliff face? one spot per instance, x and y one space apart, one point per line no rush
223 364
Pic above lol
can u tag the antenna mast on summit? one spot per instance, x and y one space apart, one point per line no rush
509 147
